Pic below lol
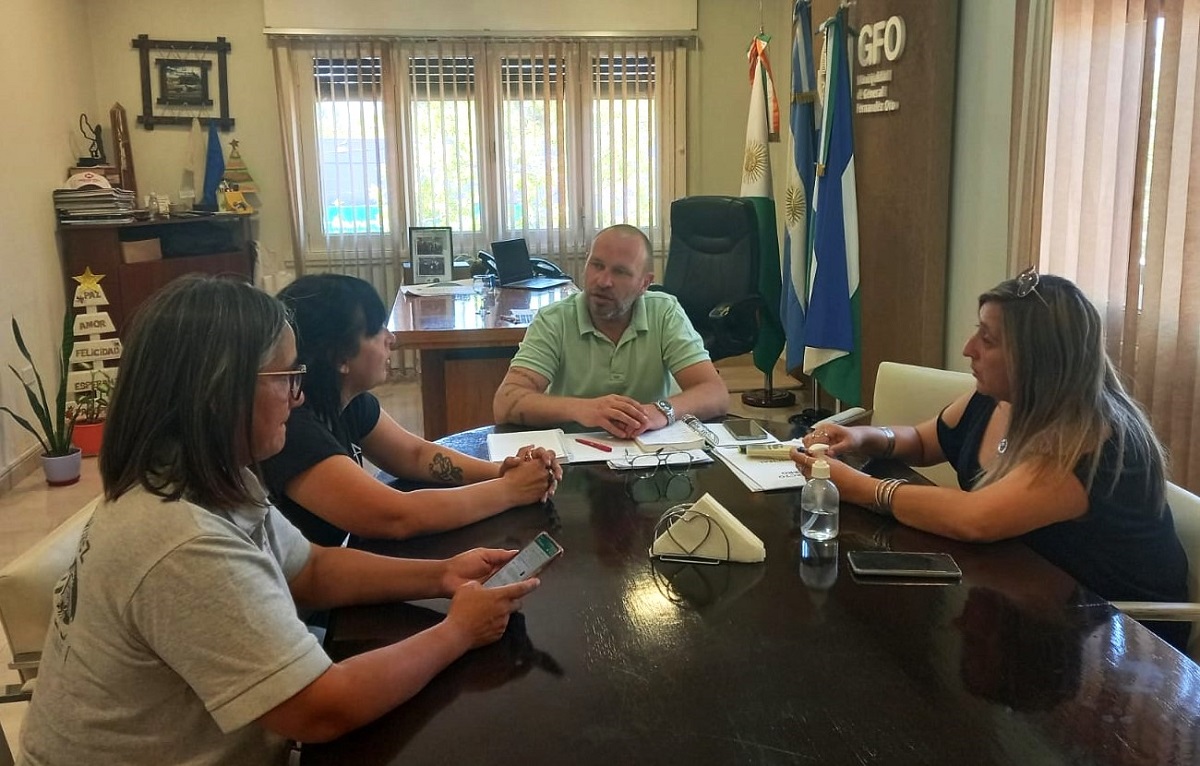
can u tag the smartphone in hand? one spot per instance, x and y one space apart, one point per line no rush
532 559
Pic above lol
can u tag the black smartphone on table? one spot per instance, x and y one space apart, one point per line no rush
532 559
903 564
745 430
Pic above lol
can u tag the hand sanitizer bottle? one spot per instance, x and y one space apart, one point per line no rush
819 500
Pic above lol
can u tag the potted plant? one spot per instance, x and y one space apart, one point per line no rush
60 458
90 409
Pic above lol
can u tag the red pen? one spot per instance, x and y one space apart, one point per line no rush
594 445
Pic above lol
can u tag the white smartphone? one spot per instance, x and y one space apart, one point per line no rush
532 559
744 430
903 564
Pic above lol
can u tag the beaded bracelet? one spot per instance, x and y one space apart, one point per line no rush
890 435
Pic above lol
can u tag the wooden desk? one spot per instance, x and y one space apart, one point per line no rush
616 660
464 354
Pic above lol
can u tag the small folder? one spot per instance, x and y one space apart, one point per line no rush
706 530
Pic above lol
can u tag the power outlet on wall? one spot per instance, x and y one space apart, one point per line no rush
26 374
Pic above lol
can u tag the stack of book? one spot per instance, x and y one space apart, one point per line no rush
94 206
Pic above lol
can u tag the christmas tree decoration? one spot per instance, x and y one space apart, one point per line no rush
89 356
237 175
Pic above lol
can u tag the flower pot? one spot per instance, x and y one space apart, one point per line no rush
88 437
62 470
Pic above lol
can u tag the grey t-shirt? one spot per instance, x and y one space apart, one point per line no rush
173 631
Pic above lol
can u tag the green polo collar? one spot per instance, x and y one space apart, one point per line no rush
637 323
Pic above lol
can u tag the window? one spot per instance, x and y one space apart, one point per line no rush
351 146
443 115
546 139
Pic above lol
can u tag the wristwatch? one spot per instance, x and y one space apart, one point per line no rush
666 409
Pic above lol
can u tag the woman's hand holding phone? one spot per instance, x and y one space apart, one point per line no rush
479 615
476 564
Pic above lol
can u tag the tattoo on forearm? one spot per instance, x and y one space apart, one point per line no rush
444 470
513 394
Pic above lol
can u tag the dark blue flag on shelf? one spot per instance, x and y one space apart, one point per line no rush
214 168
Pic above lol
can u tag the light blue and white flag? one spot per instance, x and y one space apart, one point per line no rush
833 332
803 117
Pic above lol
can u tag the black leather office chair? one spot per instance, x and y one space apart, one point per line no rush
542 267
712 268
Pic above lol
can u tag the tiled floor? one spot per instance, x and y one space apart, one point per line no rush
31 509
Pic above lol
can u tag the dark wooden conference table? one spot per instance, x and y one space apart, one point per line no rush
619 660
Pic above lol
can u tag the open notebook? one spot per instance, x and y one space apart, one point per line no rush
593 447
689 433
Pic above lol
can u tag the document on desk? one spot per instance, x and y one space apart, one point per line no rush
590 447
461 287
760 475
595 447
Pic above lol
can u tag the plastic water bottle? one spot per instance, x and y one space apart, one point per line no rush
819 500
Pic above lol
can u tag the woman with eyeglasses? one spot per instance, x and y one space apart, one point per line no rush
318 481
175 636
1049 448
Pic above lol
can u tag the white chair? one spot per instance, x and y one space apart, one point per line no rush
27 602
1185 508
906 394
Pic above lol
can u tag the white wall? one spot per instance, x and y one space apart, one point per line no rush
45 55
159 154
474 15
979 178
719 91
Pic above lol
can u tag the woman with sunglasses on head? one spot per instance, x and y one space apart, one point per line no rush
175 636
318 482
1049 448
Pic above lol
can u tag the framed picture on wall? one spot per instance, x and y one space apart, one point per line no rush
431 252
183 82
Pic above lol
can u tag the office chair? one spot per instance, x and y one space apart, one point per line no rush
542 267
27 601
1185 510
908 394
712 268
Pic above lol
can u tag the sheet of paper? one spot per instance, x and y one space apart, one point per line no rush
760 475
460 287
518 316
501 446
584 452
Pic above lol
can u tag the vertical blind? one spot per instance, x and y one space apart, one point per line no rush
1121 202
549 139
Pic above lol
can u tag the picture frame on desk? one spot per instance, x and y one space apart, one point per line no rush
431 249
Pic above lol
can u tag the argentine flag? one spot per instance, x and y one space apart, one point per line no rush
832 332
801 170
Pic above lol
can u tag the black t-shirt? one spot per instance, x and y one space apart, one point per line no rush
309 441
1119 549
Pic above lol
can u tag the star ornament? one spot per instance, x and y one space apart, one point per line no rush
87 280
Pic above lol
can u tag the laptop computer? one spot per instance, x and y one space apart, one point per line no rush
516 270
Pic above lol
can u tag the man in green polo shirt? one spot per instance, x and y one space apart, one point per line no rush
614 356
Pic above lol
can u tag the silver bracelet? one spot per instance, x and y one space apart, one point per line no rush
890 435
